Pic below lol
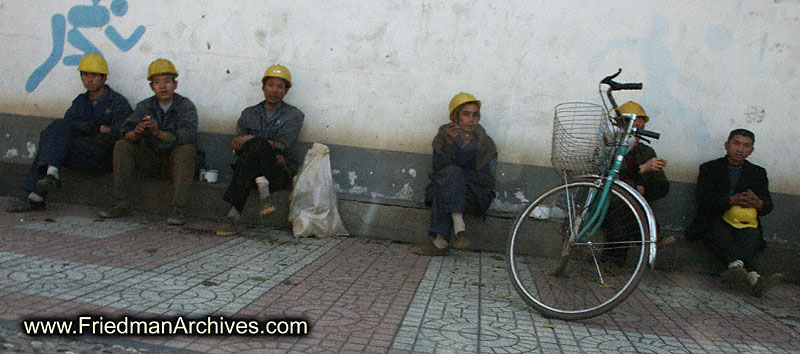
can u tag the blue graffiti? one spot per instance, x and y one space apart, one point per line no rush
83 16
661 70
719 38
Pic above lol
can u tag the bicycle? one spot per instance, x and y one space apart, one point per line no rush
580 248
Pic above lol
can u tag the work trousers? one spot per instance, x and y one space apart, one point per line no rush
256 158
620 226
452 193
61 145
730 243
178 163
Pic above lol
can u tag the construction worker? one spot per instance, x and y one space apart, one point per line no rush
266 134
83 140
643 170
158 137
732 193
462 181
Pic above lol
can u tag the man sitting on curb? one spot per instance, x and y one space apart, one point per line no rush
462 178
265 138
161 133
82 141
643 170
731 195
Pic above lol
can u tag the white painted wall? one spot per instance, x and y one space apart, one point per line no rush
379 74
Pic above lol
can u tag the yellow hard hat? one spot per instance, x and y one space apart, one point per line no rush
280 72
160 67
740 217
459 99
93 63
633 107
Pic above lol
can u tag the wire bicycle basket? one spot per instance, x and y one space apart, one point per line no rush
578 144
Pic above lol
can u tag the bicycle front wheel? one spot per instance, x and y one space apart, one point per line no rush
568 278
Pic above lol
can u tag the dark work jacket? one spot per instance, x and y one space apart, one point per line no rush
713 191
111 110
485 165
180 120
283 128
655 184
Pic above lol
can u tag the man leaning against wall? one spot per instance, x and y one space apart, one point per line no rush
462 180
83 140
732 195
266 135
158 139
643 170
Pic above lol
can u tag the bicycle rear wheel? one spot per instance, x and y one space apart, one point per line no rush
570 279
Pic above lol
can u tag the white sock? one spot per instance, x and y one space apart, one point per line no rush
35 197
439 242
752 278
53 171
233 213
263 187
458 222
736 263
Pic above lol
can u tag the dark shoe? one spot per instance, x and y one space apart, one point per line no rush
177 217
431 250
266 207
48 184
24 206
228 227
462 240
734 275
115 211
765 283
664 242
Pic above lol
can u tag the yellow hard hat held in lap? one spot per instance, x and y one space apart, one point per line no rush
740 217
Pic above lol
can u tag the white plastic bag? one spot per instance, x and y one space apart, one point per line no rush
313 209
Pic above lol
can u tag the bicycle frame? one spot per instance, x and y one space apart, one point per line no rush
599 206
599 201
651 217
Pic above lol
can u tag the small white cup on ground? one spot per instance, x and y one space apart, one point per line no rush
541 212
211 176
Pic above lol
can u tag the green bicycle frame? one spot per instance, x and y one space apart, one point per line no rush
598 206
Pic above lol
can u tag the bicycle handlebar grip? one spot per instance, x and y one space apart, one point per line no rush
610 78
648 133
631 86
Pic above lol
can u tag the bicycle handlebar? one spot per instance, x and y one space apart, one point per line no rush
616 86
648 133
630 86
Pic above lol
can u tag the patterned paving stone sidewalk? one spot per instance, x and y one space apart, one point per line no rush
359 295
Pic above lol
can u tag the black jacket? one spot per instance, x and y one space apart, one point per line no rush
713 191
655 184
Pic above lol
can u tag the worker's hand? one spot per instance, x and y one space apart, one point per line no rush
151 125
752 199
140 128
239 141
653 165
746 199
451 132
